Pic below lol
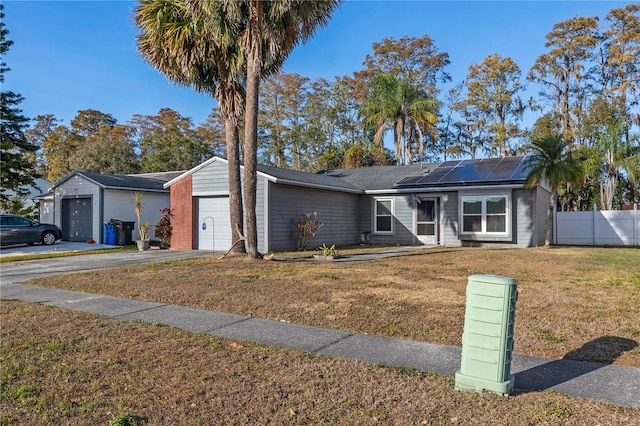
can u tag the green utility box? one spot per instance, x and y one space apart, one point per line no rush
487 339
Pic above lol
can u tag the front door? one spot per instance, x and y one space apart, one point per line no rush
427 221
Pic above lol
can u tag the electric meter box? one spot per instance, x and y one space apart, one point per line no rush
487 338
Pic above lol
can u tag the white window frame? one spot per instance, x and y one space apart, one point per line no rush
375 215
483 234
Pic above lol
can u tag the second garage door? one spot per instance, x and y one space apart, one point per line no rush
77 219
214 226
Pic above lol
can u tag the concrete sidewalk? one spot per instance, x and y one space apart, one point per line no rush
619 385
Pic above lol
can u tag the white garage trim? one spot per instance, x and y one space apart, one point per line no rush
214 225
210 193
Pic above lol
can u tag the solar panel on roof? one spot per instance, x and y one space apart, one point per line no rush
465 168
440 172
482 170
409 180
505 168
521 171
472 171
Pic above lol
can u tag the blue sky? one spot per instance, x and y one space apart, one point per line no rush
74 55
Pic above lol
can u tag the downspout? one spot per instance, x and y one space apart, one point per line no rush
102 237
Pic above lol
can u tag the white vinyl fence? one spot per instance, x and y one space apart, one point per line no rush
598 228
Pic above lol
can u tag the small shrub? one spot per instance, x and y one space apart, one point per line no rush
308 228
163 228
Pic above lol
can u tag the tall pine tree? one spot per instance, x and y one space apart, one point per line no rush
16 152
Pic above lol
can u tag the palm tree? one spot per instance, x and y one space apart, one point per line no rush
273 29
253 37
280 25
407 109
200 51
551 161
617 156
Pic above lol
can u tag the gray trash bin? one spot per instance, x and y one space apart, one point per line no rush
124 231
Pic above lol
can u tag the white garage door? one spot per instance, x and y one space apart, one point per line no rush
214 229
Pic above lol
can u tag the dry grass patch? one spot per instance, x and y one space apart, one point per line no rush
580 303
71 368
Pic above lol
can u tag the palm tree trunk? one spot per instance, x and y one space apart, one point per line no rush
235 186
549 220
251 126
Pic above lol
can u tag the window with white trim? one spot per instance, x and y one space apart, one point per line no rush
383 216
485 214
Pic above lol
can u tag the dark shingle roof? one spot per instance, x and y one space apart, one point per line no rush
308 179
163 176
379 177
394 178
143 182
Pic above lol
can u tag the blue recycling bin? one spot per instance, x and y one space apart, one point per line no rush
110 234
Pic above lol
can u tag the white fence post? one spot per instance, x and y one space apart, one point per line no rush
595 225
636 237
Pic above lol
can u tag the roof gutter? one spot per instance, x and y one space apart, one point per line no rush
123 188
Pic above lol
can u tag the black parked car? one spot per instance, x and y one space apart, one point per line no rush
16 229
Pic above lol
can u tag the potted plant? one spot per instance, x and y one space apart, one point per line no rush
144 243
143 227
327 253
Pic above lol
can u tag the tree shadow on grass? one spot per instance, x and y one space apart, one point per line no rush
590 357
604 349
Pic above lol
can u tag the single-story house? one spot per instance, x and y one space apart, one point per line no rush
83 202
454 203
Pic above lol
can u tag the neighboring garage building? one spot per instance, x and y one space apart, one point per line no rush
456 203
83 202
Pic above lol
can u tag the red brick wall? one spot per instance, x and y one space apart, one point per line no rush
182 209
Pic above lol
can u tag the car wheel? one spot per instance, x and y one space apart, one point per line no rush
48 238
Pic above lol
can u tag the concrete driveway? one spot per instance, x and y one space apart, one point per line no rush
13 272
58 247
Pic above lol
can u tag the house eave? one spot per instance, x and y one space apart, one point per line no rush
205 164
124 188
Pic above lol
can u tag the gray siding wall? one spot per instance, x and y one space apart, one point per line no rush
524 215
211 179
403 217
523 220
79 187
527 219
364 217
449 219
543 198
336 210
118 205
